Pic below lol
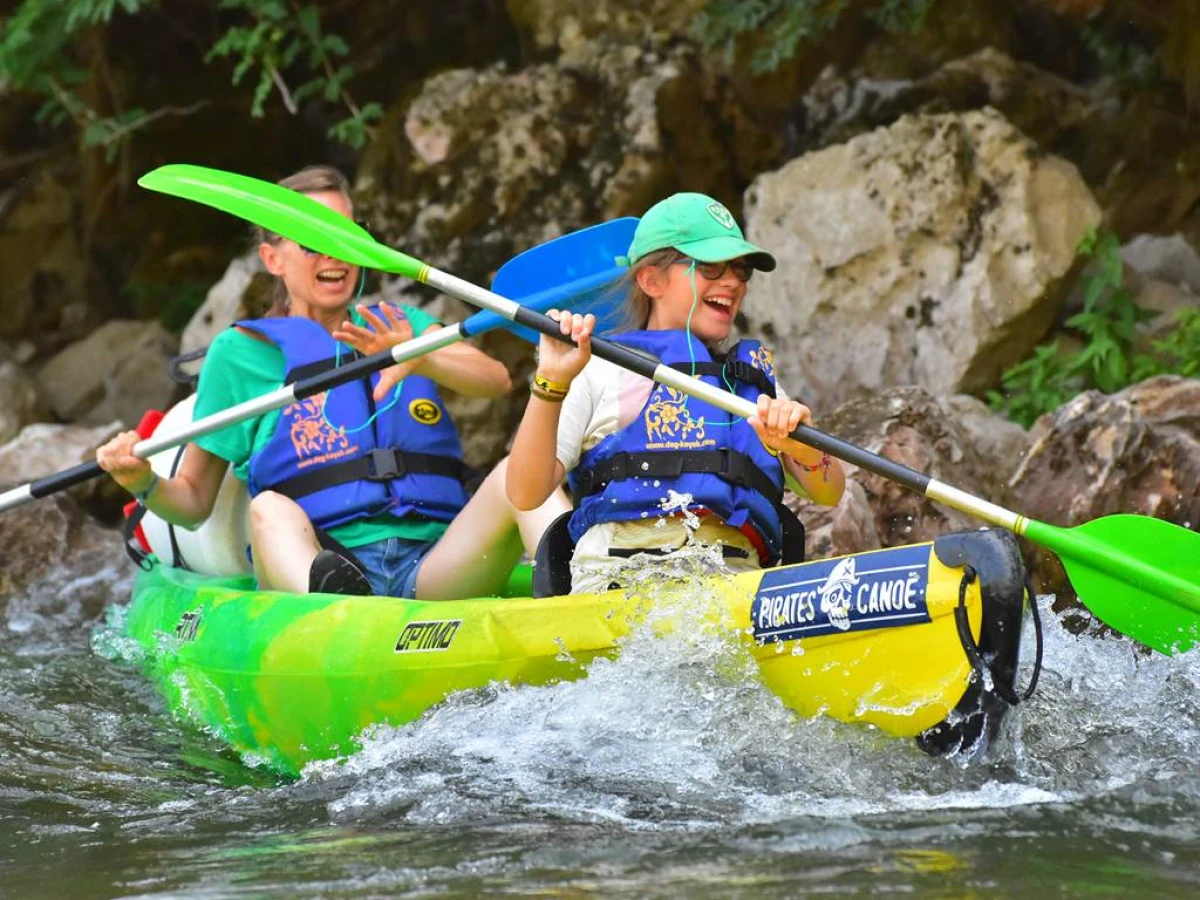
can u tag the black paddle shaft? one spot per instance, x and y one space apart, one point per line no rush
299 390
649 367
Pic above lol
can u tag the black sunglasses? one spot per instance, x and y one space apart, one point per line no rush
742 269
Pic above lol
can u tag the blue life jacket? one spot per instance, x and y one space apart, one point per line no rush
683 444
408 461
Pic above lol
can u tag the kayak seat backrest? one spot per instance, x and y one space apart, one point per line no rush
552 562
793 536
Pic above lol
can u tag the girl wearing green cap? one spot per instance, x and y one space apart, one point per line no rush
652 469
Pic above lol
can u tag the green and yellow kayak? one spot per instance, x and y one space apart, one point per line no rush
898 639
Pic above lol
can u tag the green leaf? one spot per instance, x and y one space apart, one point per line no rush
261 91
1087 243
1092 292
335 45
309 21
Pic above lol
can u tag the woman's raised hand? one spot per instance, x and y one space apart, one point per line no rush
560 362
386 332
116 458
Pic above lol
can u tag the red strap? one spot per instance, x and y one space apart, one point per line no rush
151 419
128 509
149 424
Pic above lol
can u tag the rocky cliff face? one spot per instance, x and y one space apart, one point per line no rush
924 253
924 193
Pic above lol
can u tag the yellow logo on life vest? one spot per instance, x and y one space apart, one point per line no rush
669 423
762 359
425 411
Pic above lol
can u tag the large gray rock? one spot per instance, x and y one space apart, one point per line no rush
1137 451
571 27
909 426
117 372
45 449
224 304
484 163
1166 301
46 270
1168 258
994 436
1050 110
57 563
21 402
917 254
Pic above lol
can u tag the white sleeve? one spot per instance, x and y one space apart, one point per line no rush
589 413
573 420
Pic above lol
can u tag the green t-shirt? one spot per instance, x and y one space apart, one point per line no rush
238 368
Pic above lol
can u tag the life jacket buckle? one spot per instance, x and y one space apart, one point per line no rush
386 464
667 465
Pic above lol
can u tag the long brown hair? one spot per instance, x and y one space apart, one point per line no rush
637 301
309 180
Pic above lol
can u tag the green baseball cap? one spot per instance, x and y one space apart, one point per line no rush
697 226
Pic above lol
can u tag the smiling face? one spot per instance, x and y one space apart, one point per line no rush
716 300
319 287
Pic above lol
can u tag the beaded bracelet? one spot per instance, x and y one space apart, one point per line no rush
823 465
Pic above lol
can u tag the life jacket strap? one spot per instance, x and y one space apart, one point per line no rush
320 367
736 468
381 464
736 370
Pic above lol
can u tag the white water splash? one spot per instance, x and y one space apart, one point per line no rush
678 732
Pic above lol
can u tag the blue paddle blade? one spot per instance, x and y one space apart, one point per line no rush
577 271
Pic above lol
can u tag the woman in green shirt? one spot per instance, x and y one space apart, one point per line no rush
402 552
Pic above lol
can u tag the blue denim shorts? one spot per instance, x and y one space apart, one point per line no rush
392 565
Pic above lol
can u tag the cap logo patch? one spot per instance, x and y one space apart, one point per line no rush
721 214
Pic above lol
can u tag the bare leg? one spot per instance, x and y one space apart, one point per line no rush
483 543
283 543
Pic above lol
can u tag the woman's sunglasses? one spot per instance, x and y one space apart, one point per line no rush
742 269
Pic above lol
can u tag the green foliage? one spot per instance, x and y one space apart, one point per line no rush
1035 385
274 45
276 36
36 55
1119 57
780 26
1176 354
899 16
1107 328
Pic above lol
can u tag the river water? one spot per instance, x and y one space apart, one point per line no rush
667 773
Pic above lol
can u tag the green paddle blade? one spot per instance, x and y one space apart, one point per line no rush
283 211
1138 575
